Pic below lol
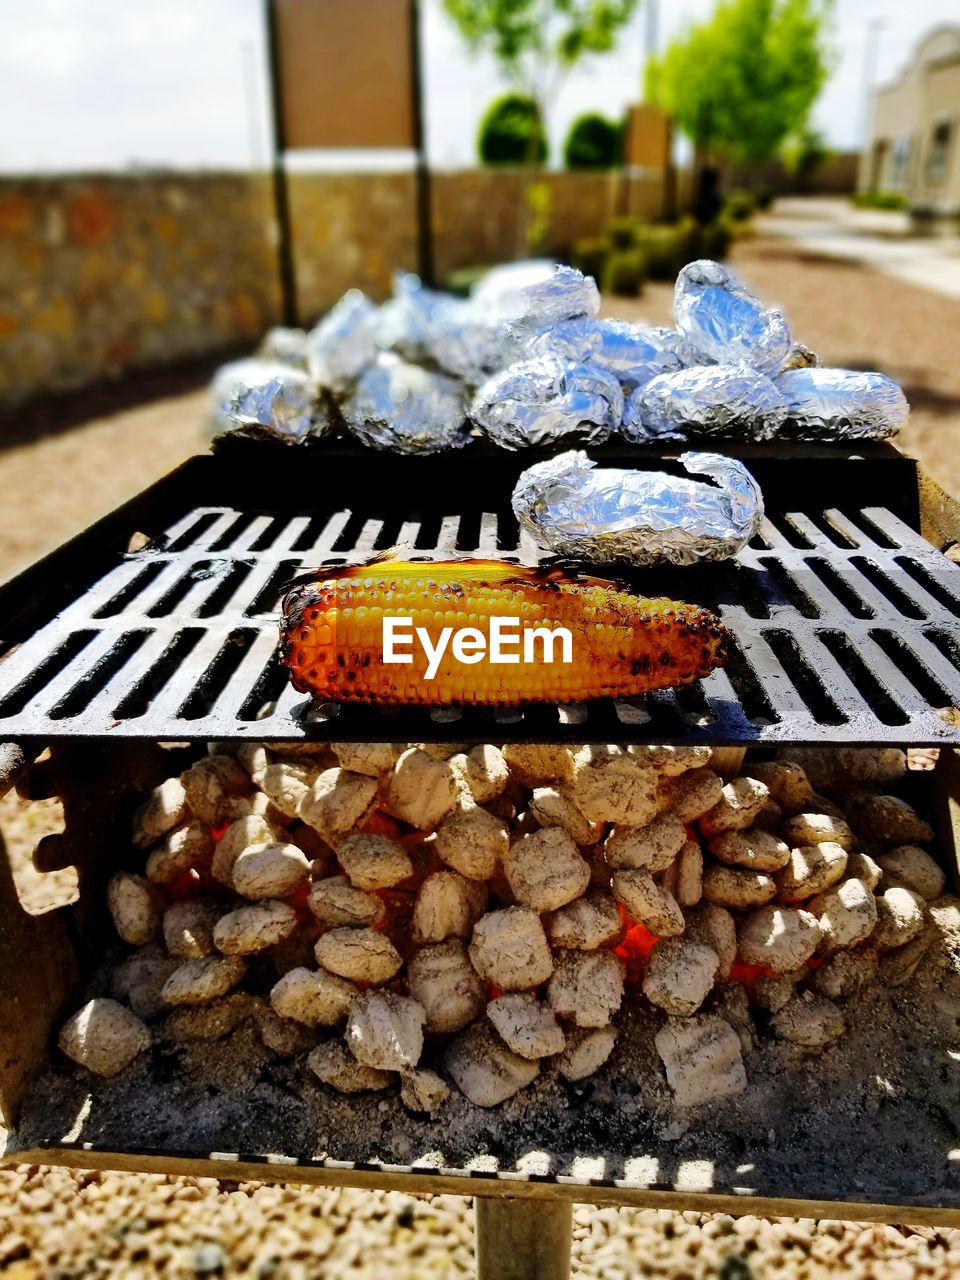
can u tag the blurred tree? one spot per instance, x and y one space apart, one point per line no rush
804 153
512 132
740 83
594 142
536 42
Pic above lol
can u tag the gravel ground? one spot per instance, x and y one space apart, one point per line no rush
59 1223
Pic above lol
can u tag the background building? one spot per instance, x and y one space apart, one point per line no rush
913 147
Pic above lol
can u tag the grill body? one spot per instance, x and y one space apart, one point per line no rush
176 644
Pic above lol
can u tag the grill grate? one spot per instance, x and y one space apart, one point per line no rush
846 623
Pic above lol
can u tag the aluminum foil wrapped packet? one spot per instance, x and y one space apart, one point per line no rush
612 516
544 399
402 408
563 294
841 404
265 399
631 352
471 345
411 321
719 400
341 346
285 346
724 323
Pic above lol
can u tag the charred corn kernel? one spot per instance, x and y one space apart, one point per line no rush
621 645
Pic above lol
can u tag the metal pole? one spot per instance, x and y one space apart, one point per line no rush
422 171
281 191
523 1239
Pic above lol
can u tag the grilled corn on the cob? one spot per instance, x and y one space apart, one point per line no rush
622 645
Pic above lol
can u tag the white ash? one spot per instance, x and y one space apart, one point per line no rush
448 905
509 948
472 842
104 1037
680 975
361 955
335 901
811 869
484 1069
589 922
254 928
526 1026
545 870
650 848
270 871
552 807
374 861
586 987
442 978
385 1030
313 997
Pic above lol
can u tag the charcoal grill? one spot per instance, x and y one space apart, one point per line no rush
846 621
158 625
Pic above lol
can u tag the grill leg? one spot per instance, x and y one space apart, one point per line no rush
523 1239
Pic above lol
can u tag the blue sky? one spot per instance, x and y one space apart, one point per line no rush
99 84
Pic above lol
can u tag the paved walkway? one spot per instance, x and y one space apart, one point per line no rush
882 241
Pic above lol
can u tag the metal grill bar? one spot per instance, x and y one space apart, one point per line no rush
847 629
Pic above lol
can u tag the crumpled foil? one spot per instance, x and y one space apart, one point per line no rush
341 346
564 294
841 404
612 516
544 399
410 322
727 401
286 346
265 399
631 352
405 409
724 323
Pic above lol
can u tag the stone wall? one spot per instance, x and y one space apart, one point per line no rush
103 274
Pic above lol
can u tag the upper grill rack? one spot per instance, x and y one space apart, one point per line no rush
846 626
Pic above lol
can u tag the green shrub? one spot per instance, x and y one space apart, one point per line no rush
625 232
590 256
716 238
763 197
511 132
739 204
462 280
594 142
624 272
668 247
880 200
